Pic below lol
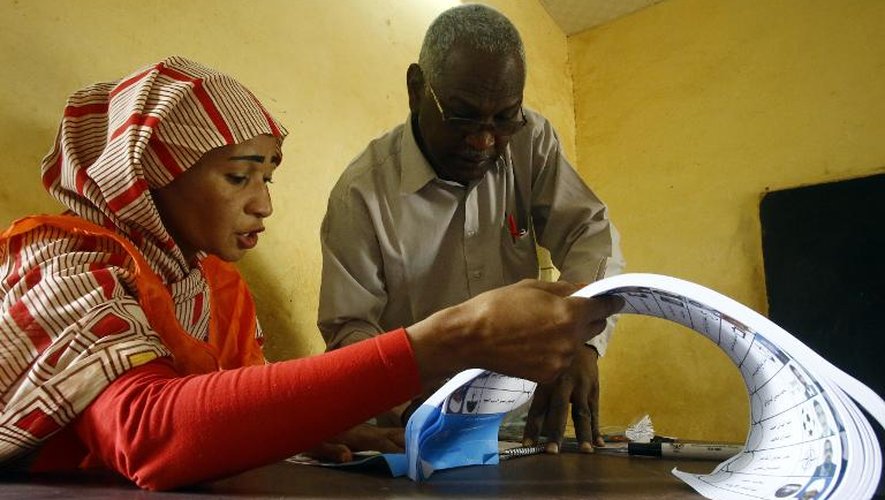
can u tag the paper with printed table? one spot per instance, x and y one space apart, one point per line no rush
807 437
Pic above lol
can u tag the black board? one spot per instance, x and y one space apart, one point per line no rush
824 253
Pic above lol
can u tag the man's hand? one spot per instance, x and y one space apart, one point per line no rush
578 386
360 438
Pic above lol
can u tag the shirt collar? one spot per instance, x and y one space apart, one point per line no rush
415 170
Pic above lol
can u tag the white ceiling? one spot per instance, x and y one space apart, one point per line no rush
574 16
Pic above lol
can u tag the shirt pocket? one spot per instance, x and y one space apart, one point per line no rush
519 256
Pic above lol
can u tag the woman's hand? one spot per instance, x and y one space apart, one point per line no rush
531 329
363 437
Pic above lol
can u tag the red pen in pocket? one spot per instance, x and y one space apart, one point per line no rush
514 231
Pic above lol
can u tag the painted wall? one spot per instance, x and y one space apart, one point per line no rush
333 72
687 112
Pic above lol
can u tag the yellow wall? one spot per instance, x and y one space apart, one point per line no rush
687 112
333 72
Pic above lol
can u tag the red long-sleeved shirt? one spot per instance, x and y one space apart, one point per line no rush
162 430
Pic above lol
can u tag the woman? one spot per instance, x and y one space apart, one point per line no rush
129 342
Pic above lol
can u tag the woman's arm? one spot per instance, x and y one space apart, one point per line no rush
162 431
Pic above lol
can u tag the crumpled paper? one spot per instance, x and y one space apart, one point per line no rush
640 431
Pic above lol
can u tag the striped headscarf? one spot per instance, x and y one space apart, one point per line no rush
118 140
72 316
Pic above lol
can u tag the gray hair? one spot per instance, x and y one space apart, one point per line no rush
476 26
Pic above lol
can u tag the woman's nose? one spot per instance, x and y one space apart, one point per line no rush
260 203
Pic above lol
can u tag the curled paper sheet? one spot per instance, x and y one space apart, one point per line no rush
458 425
807 438
455 427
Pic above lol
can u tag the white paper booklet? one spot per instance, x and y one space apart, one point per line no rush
807 437
458 425
455 427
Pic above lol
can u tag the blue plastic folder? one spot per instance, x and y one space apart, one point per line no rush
457 426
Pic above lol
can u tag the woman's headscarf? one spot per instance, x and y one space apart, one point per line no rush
70 322
118 140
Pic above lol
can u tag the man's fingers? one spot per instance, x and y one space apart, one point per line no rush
582 417
535 417
593 404
557 413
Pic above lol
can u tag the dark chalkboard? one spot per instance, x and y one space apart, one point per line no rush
824 251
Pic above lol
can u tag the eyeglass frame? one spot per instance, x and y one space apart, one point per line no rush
469 126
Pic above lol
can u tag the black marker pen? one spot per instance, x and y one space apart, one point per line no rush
702 451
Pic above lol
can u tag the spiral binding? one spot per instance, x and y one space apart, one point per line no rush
521 451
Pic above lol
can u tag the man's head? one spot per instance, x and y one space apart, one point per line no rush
465 93
828 451
821 415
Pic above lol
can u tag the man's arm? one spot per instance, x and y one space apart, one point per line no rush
570 220
572 223
352 278
613 265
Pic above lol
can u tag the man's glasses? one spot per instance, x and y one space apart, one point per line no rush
469 126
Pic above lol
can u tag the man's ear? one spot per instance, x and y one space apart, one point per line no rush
415 87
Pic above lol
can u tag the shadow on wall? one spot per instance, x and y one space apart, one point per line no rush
276 312
22 192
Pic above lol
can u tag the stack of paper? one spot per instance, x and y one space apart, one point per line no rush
807 438
458 425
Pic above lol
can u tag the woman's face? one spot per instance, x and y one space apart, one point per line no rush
218 206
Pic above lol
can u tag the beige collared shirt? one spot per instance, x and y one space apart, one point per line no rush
399 243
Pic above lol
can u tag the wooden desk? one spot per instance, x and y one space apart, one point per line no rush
565 476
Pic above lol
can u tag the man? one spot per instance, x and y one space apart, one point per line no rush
453 203
823 425
827 468
822 477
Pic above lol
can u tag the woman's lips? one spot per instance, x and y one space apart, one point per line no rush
247 241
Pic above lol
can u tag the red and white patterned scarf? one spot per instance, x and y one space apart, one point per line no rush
70 319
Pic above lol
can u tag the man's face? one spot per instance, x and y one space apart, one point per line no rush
819 411
218 206
477 87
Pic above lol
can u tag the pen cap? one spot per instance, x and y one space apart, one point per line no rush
644 449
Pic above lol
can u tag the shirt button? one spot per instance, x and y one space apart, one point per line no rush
471 233
477 274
